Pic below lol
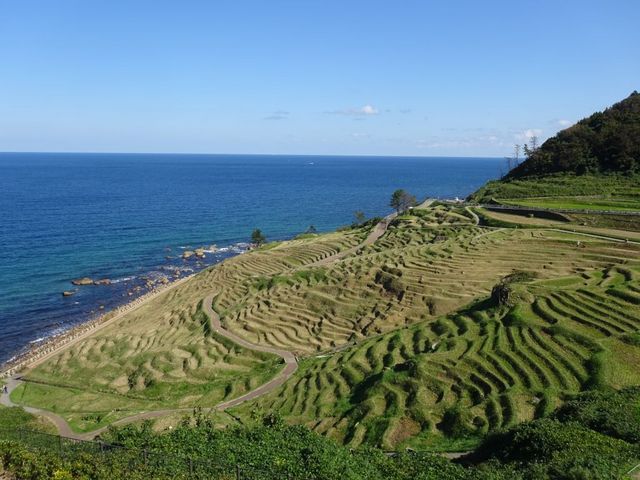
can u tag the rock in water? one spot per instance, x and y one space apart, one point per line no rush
68 293
188 254
102 281
199 252
82 281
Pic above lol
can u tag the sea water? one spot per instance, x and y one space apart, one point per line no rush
129 218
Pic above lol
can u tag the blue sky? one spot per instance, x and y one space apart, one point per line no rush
454 78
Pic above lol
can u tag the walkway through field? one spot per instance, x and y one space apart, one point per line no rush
290 361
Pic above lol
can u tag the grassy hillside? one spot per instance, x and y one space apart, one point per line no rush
164 354
599 156
399 344
592 436
607 141
447 383
604 188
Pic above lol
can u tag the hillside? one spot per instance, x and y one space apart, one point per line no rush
393 337
605 142
593 436
598 156
487 366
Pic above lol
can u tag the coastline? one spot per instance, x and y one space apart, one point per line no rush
34 352
59 342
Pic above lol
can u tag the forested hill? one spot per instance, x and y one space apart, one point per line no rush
605 142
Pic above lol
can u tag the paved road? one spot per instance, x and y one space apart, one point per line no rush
291 365
61 424
290 361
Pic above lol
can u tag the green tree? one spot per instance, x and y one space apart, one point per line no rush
402 200
607 141
257 237
360 216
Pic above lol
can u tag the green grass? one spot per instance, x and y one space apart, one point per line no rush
562 185
111 375
17 418
499 366
164 355
401 305
578 203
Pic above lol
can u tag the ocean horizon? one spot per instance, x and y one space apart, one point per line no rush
130 217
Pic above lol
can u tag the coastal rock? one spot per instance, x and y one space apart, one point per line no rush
188 254
68 293
102 281
82 281
199 252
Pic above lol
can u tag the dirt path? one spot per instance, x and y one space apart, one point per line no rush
291 364
476 218
375 234
593 235
290 361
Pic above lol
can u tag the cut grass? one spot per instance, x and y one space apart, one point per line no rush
164 354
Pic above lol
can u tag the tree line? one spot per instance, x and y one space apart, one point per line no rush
605 142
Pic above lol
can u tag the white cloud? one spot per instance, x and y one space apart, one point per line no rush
366 110
528 134
369 110
277 115
565 123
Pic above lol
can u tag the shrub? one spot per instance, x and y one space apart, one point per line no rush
632 339
558 450
455 422
390 283
612 413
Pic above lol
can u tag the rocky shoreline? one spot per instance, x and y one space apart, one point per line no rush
154 283
58 341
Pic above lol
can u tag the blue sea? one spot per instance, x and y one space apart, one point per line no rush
129 217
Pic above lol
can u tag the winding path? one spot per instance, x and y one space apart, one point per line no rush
290 361
375 234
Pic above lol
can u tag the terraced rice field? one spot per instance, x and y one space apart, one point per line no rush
441 262
391 344
480 369
164 354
